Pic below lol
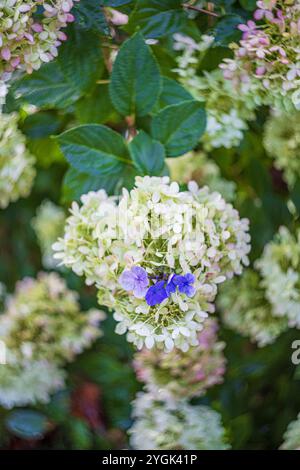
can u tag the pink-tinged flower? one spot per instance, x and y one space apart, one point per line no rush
294 71
5 53
22 29
70 18
118 18
279 20
29 37
15 62
295 27
263 12
24 8
62 36
282 54
37 28
248 29
279 49
260 71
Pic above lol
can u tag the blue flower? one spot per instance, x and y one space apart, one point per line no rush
135 280
171 286
156 294
184 284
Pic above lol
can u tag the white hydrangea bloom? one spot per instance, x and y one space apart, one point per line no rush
246 310
292 436
29 382
279 267
16 164
168 425
161 231
198 167
48 225
227 111
42 328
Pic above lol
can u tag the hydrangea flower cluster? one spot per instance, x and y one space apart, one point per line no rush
197 167
266 302
266 63
292 436
246 310
29 382
43 328
184 374
3 92
156 256
30 32
16 163
227 111
167 425
282 142
48 225
280 270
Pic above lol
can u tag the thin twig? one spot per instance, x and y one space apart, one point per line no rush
200 10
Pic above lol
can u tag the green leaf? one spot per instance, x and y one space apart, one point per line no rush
295 195
226 29
147 154
96 108
48 87
41 124
157 18
115 3
64 81
27 424
76 183
81 59
179 127
46 150
135 81
80 434
90 16
172 93
94 149
249 5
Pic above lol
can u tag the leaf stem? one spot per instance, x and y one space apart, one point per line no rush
200 10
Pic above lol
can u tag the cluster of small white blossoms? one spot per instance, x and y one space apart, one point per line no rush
42 328
30 32
184 374
246 310
266 63
168 425
48 225
156 256
16 163
227 111
292 436
282 142
3 92
279 267
196 166
29 383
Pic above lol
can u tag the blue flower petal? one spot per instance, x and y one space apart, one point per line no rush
156 294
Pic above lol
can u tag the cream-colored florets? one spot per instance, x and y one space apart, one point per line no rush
16 163
166 425
42 328
163 231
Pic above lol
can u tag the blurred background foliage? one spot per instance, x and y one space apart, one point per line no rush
260 394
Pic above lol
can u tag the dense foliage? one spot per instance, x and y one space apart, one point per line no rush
115 114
